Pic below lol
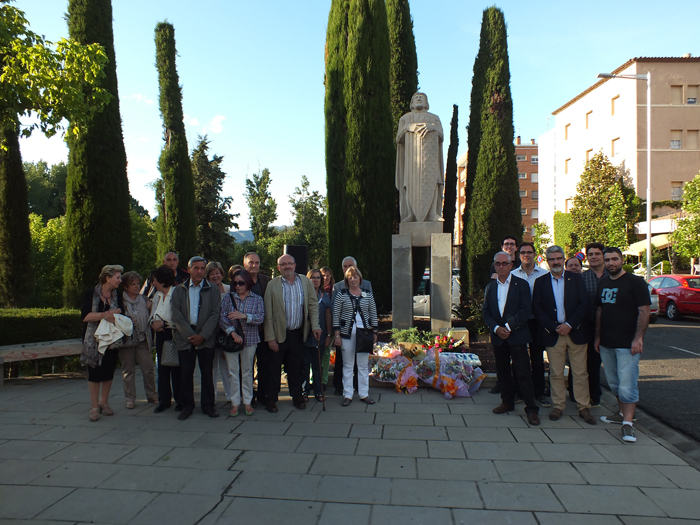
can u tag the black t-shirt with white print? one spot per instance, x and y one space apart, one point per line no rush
619 299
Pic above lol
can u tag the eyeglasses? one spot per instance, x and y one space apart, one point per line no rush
555 259
527 253
508 263
239 283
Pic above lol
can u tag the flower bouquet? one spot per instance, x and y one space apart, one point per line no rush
397 370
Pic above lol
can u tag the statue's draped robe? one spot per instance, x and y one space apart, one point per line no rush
420 177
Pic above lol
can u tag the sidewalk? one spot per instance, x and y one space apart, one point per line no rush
407 459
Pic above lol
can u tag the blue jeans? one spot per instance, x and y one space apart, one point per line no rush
622 372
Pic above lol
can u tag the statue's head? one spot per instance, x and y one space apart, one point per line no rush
419 101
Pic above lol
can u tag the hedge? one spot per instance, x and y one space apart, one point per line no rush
35 325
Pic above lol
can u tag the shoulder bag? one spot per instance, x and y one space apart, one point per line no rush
364 337
224 341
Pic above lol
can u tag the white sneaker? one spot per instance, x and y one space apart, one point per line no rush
628 434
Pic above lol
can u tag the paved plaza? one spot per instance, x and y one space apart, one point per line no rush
407 459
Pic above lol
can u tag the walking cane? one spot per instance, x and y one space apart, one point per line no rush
320 368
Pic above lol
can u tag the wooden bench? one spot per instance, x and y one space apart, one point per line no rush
31 351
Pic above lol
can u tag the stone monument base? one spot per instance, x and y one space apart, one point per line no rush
420 232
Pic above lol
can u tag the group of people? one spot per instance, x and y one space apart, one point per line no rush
590 317
291 321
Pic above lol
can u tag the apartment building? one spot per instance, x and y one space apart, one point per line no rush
610 116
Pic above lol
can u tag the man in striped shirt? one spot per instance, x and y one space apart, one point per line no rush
291 312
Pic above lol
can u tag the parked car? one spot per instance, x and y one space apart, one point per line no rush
421 301
654 308
678 294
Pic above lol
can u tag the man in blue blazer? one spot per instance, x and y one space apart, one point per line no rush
560 305
507 308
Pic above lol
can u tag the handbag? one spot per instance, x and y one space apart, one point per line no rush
224 341
169 356
364 337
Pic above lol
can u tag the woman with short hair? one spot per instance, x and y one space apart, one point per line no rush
245 307
354 308
100 303
138 309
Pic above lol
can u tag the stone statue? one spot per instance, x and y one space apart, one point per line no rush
420 177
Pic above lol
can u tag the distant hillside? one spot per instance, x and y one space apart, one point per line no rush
247 235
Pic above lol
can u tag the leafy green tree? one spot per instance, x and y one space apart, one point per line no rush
449 204
541 238
403 71
47 188
48 255
494 205
214 221
309 229
361 196
98 229
262 207
47 80
686 238
600 182
143 238
177 229
564 234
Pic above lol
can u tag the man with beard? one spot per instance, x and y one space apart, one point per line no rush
622 319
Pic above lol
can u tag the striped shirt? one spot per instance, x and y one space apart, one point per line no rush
293 295
254 309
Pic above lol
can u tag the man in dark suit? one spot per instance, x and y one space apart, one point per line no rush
560 305
507 308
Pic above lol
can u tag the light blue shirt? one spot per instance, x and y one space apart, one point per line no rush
558 289
194 301
536 272
293 295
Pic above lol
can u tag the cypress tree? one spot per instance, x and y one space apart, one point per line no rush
494 206
177 231
403 72
98 228
449 204
336 130
16 283
369 155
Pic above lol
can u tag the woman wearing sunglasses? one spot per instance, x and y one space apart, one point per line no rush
245 307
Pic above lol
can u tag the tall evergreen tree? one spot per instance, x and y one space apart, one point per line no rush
214 221
449 204
177 229
98 229
403 71
494 204
363 224
336 128
262 207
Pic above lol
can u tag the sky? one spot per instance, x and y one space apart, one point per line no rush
252 74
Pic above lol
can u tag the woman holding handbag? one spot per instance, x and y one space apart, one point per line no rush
137 308
355 326
247 308
161 323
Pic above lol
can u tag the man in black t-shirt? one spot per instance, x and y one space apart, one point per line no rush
622 317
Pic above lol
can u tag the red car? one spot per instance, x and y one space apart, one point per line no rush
678 294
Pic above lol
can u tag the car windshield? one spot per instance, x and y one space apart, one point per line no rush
694 282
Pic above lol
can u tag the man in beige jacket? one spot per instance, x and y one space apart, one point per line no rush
291 312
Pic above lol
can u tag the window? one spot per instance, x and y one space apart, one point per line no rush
588 118
523 211
566 166
520 158
692 139
534 195
532 231
588 154
566 132
692 95
522 176
533 213
676 138
614 147
612 104
567 206
676 95
676 191
523 193
534 159
533 177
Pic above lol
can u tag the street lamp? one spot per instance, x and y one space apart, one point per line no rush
646 77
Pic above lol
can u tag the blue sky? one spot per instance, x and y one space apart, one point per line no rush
252 74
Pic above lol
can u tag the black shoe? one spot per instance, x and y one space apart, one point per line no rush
160 408
178 408
300 404
496 389
272 408
212 413
184 414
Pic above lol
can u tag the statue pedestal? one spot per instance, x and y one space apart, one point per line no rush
420 234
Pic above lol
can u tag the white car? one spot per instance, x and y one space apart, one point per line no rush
421 301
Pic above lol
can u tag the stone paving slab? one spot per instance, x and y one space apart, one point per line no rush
396 467
176 508
329 464
519 496
538 472
253 461
21 472
551 518
684 477
677 503
621 474
92 453
99 506
22 502
247 510
446 449
199 458
606 500
462 469
492 517
74 474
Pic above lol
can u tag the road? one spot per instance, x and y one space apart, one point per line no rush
669 374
